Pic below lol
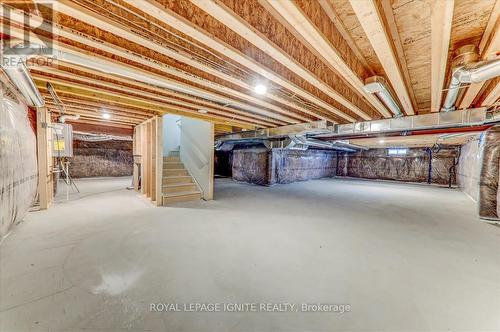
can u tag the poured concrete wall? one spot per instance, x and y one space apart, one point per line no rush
468 169
269 167
411 167
101 159
252 165
295 165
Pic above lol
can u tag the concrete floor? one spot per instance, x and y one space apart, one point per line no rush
405 257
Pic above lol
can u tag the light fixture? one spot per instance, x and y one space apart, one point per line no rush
260 89
381 141
202 111
106 116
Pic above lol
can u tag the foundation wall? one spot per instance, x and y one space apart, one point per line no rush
468 169
101 159
268 167
294 165
410 167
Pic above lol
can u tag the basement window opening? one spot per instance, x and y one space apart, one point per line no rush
398 152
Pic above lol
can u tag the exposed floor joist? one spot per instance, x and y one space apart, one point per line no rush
102 22
311 36
162 13
488 46
224 15
441 20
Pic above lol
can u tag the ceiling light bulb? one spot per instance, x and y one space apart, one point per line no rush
381 141
106 116
260 89
202 111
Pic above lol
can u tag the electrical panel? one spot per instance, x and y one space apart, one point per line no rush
62 140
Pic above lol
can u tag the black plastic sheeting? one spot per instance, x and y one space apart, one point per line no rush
268 167
488 178
410 167
18 162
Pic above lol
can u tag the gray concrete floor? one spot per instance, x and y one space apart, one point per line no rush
404 257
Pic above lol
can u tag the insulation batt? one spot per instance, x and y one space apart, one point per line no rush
101 158
18 163
488 178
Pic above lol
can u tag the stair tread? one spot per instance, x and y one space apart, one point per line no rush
181 193
176 176
173 185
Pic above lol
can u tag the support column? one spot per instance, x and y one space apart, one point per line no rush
45 186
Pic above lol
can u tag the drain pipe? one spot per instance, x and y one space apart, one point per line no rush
467 71
378 86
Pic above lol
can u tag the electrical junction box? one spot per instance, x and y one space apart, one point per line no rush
62 140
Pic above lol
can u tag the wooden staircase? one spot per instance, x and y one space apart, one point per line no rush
178 185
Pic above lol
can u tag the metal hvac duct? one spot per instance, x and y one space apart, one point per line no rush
378 86
467 71
21 78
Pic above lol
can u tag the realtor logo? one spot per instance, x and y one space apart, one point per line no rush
26 32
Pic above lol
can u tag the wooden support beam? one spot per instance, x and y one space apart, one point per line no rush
493 94
159 160
161 13
288 11
373 25
441 19
96 110
222 14
98 127
330 11
489 46
392 29
210 194
45 191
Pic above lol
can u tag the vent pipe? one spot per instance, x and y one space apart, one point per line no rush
466 70
21 78
378 86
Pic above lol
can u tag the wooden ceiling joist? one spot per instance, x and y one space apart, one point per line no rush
332 15
97 111
131 34
488 47
492 94
108 63
92 115
82 14
191 102
101 94
441 20
288 11
163 14
224 15
136 91
370 18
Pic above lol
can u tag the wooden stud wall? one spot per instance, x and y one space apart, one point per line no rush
148 152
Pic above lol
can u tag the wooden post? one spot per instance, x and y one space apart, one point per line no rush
210 194
153 158
159 161
45 187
